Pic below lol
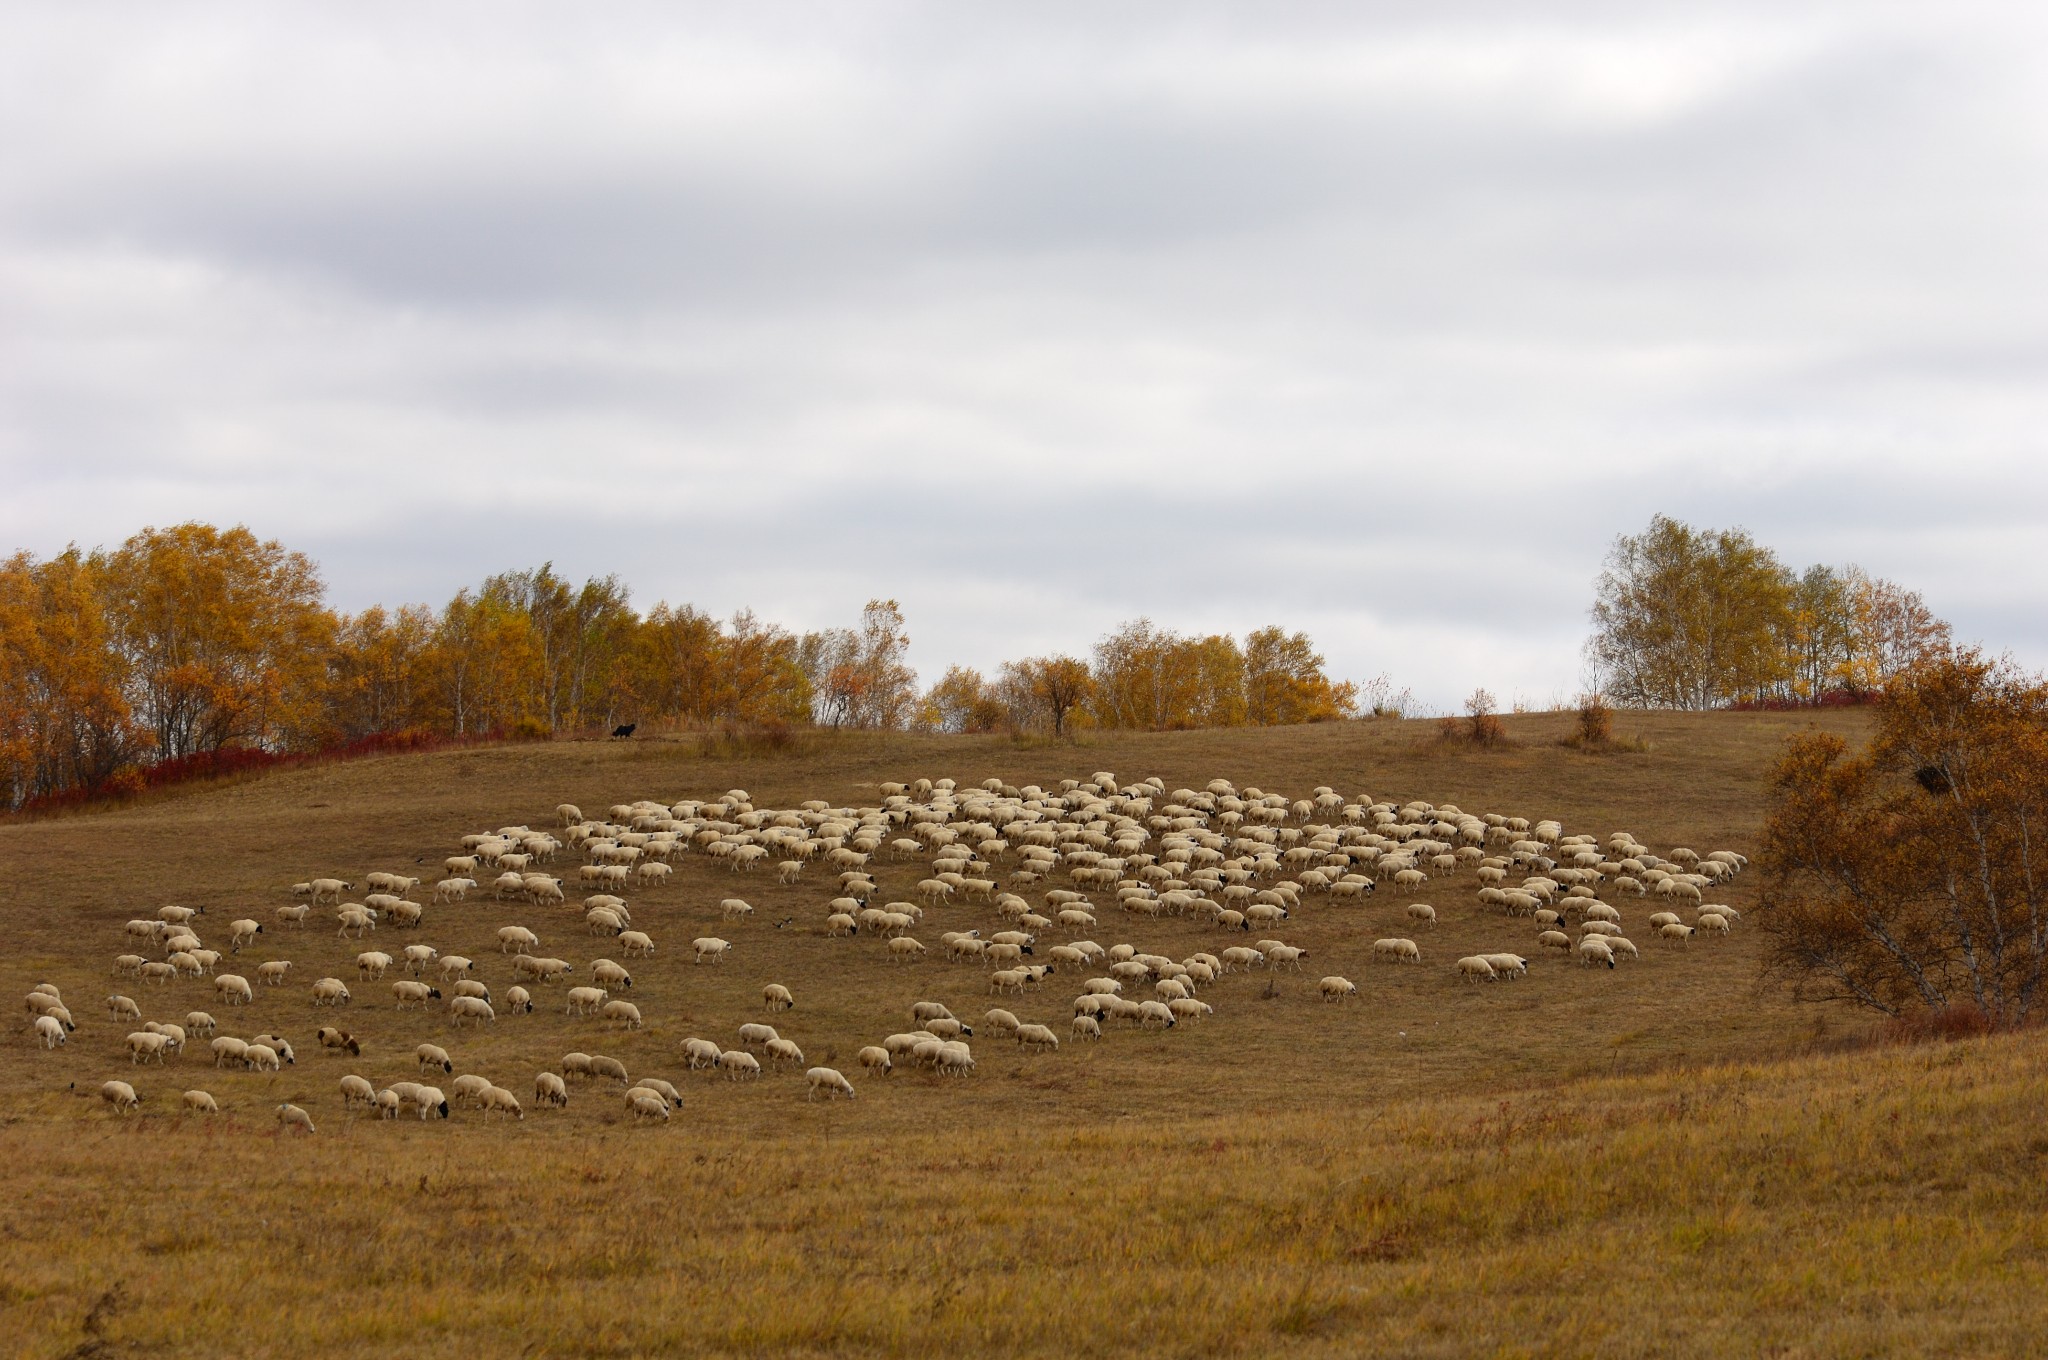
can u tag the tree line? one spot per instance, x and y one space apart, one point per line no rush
193 640
1708 618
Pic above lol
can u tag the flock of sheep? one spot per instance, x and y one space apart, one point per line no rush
1234 860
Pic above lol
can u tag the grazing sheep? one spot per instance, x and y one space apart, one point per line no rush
518 1001
330 992
635 943
201 1102
1554 939
50 1030
241 933
1086 1027
409 993
905 950
356 1091
123 1008
1038 1037
829 1081
262 1058
1595 949
230 1051
120 1095
1508 965
550 1091
433 1055
1675 932
584 1000
1475 968
1286 955
1337 988
498 1100
874 1059
739 1066
620 1012
1397 951
777 997
338 1040
601 1066
272 974
1151 1012
700 1053
517 937
1423 914
471 1008
646 1105
709 947
387 1104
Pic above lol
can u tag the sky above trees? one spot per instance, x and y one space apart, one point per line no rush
1381 320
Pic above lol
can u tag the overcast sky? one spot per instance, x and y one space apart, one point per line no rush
1379 321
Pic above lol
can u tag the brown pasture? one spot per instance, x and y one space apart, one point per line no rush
1027 1184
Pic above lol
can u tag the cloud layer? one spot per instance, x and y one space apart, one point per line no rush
1377 321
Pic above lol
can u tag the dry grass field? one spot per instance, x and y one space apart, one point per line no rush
1664 1159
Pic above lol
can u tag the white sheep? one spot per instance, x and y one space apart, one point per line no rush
471 1008
739 1066
123 1008
50 1030
120 1095
1086 1027
330 992
620 1012
777 997
646 1105
709 947
874 1059
1337 988
550 1091
1475 968
498 1100
356 1091
829 1081
201 1102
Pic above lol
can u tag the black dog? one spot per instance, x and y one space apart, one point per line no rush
620 733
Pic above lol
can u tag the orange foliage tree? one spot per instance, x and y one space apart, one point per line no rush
1915 875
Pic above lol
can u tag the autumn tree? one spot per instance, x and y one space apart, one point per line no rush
223 637
1285 682
859 676
1914 876
1687 618
1049 688
380 673
65 719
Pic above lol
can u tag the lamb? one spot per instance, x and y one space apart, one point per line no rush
709 947
874 1059
739 1066
829 1081
777 997
330 992
356 1091
50 1030
550 1091
1475 968
1337 988
120 1095
339 1040
433 1055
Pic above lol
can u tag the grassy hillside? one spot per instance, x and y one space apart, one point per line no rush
1655 1158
